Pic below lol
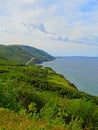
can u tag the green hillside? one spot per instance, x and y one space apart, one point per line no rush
39 54
23 54
37 98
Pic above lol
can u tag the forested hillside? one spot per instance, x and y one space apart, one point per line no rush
23 54
37 98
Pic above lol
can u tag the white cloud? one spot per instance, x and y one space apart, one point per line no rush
69 21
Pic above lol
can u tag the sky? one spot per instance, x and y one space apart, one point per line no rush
60 27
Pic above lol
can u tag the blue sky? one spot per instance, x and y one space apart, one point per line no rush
60 27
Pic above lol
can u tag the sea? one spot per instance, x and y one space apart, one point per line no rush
82 71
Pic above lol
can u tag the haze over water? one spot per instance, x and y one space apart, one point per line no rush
82 71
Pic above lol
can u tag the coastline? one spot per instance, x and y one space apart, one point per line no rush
83 79
69 82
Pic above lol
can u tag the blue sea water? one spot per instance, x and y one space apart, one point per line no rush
82 71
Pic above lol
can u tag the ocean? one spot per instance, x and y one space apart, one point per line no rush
82 71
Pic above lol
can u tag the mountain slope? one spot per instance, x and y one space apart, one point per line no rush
23 54
40 55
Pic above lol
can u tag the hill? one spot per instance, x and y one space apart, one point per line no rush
33 97
23 54
39 55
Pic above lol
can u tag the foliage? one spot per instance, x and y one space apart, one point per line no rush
75 125
33 97
83 110
7 96
23 54
40 55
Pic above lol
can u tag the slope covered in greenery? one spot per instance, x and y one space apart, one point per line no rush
23 54
39 55
37 98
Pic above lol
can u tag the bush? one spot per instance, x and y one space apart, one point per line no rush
83 110
8 97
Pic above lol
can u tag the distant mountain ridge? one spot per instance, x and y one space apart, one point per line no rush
22 53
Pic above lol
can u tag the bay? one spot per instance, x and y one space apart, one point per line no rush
82 71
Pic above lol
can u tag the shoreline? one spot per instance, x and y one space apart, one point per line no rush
70 83
80 82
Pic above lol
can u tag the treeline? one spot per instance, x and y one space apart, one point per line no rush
33 97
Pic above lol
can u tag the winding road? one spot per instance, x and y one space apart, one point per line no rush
32 59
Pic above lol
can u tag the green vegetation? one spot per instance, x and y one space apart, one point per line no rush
37 98
23 54
39 55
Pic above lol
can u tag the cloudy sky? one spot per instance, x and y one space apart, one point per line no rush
60 27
